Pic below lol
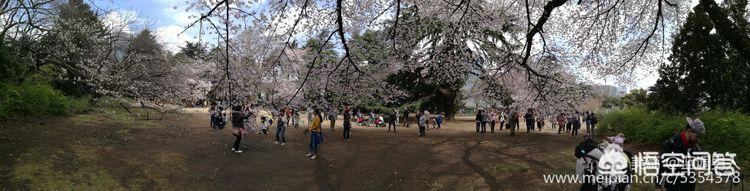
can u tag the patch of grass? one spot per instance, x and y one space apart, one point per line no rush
115 118
40 171
160 173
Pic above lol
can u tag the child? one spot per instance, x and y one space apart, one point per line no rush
378 121
439 120
265 123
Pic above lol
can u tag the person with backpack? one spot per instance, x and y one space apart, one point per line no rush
237 123
348 124
685 143
587 155
316 136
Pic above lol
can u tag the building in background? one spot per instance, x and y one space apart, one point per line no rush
608 90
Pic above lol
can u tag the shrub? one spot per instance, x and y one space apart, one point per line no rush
37 100
726 131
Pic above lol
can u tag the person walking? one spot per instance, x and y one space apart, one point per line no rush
576 123
281 125
392 120
348 123
422 123
316 137
587 121
238 127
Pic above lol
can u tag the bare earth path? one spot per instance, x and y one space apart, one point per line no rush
83 153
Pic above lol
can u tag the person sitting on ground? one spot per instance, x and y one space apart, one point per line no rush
439 120
360 120
265 123
379 121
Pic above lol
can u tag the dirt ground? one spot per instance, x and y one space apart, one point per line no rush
89 152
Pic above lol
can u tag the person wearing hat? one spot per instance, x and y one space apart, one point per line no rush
685 142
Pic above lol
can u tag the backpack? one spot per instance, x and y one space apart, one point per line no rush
585 147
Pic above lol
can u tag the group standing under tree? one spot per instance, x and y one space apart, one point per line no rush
243 121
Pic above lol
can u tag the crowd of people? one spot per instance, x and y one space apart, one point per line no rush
534 121
243 121
588 152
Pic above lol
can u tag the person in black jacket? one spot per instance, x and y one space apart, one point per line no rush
529 120
347 123
238 118
685 142
479 118
576 123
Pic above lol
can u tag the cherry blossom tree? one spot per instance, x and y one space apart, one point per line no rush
537 48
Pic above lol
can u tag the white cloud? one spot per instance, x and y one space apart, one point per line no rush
120 20
168 37
179 16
